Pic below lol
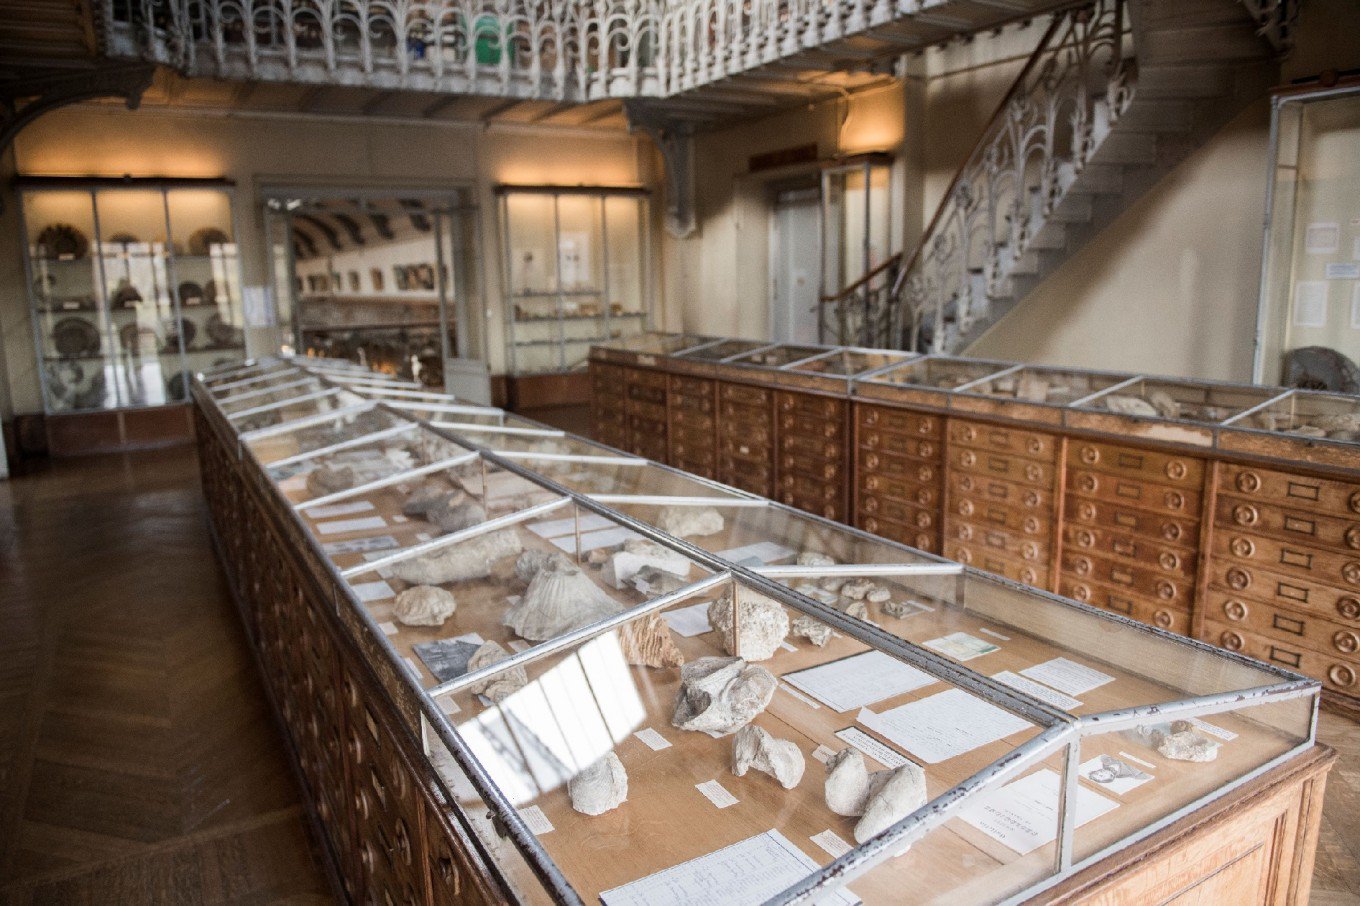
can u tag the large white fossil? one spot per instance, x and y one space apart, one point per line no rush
470 559
689 521
499 686
455 514
815 558
812 629
428 494
600 788
559 599
424 605
637 553
760 629
754 747
720 695
1130 405
883 797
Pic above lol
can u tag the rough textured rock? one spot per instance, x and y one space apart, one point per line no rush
501 685
857 609
600 788
1187 745
530 562
454 516
763 625
1321 368
856 589
756 748
847 783
1345 421
1164 403
647 642
815 558
327 480
1129 405
427 495
832 584
812 629
470 559
689 521
1032 388
720 695
424 605
878 595
901 609
656 583
1307 431
623 565
893 796
559 599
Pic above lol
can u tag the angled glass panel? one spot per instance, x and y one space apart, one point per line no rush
317 425
716 352
779 356
1308 413
851 362
1193 401
654 343
1048 386
631 478
939 372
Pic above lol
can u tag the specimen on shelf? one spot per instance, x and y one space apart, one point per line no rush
720 695
600 788
1129 405
883 797
904 608
689 521
637 553
812 629
760 629
647 642
328 479
470 559
501 685
424 605
559 599
425 496
857 609
754 747
454 515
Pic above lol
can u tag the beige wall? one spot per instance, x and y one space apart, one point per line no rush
258 152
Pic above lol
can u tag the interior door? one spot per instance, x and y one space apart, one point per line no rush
795 255
465 370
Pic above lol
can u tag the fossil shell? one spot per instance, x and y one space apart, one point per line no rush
647 642
688 521
1307 431
600 788
901 609
424 605
812 629
1129 405
857 609
639 552
720 695
531 561
847 783
470 559
762 628
499 686
559 599
327 480
893 795
753 747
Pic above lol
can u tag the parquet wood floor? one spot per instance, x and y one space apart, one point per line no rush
138 760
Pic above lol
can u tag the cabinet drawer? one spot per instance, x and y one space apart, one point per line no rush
900 444
1336 673
1292 525
793 423
751 435
920 495
899 511
693 432
1135 580
1341 570
924 539
642 427
683 409
751 454
900 421
1021 442
689 451
1291 627
830 509
1291 592
1133 492
902 474
1319 495
691 387
1169 528
807 486
654 411
816 469
991 490
992 515
744 395
643 377
811 446
817 406
1017 546
1117 600
656 396
996 562
1004 466
1151 553
1182 471
739 417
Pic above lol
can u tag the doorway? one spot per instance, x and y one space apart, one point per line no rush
795 257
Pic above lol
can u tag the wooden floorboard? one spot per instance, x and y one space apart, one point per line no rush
138 763
138 760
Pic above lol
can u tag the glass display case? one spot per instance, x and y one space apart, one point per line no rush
134 285
575 272
673 692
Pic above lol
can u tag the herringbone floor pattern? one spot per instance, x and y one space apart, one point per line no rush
138 761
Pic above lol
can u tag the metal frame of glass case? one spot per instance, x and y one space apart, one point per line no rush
329 393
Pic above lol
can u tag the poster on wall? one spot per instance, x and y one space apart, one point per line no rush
256 306
1310 303
1322 238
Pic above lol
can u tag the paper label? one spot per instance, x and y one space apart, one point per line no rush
1310 303
1067 676
961 646
787 647
871 747
360 545
1023 814
1342 271
519 645
376 590
943 725
762 553
340 509
340 526
859 680
823 753
610 537
830 841
536 821
785 687
1322 238
688 621
556 528
388 628
1114 774
1037 690
996 635
652 739
715 793
1213 730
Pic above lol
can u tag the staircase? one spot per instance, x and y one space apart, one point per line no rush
1114 96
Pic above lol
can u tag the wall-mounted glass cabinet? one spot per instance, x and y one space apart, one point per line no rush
134 284
574 272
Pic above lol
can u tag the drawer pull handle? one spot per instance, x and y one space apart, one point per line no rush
871 505
965 532
1034 473
1350 571
1237 578
1169 561
1087 511
967 457
1171 531
967 433
1165 590
1029 550
1231 641
926 426
1354 502
1353 537
924 520
1081 593
871 417
1176 470
1163 619
1341 675
925 473
925 449
871 524
1085 538
1031 525
965 507
1248 482
1031 499
1035 446
1285 656
1090 455
925 496
1087 484
1242 547
1082 566
1128 491
1235 611
1348 608
1245 514
1287 624
1346 642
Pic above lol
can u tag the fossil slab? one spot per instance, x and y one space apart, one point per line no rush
856 589
470 559
761 629
901 609
647 642
1186 744
559 599
600 788
328 479
857 609
501 685
720 695
755 748
689 521
812 629
427 495
424 605
893 795
1122 404
878 595
639 552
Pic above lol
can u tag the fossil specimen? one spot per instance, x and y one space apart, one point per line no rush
856 589
814 630
1346 421
647 642
1129 405
1032 388
501 685
1185 743
753 747
470 559
327 480
762 626
600 788
815 558
454 515
639 552
426 496
847 783
720 695
878 595
832 584
531 561
688 521
654 582
559 599
883 797
424 605
901 609
1164 403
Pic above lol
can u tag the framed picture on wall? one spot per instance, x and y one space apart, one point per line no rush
376 275
423 276
400 277
353 281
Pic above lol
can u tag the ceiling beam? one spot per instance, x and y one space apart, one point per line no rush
324 228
